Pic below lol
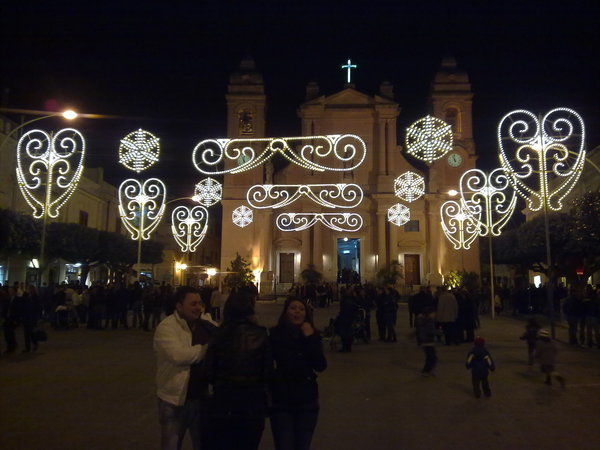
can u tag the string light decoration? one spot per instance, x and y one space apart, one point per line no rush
49 168
490 201
333 152
339 195
409 186
489 198
543 156
242 216
189 226
346 222
398 214
139 150
429 139
459 226
141 206
208 192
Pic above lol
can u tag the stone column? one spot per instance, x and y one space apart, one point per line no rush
381 240
317 251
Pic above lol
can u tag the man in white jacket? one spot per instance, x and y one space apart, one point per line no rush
179 405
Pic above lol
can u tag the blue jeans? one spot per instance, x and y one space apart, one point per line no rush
293 430
176 420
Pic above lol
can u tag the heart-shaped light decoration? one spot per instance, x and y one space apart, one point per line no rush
141 206
543 156
189 226
49 168
490 199
459 226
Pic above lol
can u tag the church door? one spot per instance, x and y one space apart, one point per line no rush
412 269
286 267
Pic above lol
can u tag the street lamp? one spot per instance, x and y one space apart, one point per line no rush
141 203
536 154
141 207
49 167
490 200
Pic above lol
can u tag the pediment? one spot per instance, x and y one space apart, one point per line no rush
348 97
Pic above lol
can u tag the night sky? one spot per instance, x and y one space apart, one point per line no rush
164 66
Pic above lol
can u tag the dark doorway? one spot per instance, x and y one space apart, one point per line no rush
412 269
286 267
348 261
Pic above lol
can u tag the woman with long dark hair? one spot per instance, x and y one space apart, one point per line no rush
238 365
298 354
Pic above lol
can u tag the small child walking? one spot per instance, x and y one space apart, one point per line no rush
530 336
480 362
545 353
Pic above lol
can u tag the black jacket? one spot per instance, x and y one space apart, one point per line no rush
297 358
238 365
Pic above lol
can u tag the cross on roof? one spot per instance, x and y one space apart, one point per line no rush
349 66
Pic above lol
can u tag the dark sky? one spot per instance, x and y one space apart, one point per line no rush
164 66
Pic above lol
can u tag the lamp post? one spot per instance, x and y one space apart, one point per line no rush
48 168
536 155
141 207
485 198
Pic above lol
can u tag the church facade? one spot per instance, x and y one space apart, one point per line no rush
278 254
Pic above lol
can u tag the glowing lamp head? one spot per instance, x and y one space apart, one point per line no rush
452 192
69 114
211 272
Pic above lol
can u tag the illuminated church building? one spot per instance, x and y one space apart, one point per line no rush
419 245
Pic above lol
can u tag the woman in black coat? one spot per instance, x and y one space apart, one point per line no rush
298 354
238 365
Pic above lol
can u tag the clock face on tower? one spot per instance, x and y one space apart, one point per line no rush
454 160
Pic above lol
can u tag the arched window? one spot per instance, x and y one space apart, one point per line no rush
452 118
246 121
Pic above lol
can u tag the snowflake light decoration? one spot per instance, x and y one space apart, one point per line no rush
208 192
242 216
429 139
409 186
398 214
139 150
49 169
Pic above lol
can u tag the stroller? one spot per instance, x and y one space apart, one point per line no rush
358 329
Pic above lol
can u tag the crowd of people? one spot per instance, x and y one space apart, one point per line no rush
101 306
221 374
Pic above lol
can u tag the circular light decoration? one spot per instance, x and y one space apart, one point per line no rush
139 150
242 216
398 214
409 186
429 139
208 192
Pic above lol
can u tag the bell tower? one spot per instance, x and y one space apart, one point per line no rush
246 110
451 100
